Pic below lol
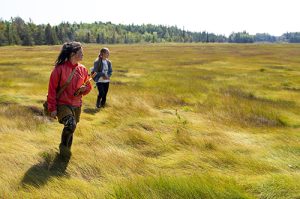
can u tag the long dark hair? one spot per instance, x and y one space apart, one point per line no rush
67 49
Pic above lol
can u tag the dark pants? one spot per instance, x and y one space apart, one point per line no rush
69 117
67 133
102 92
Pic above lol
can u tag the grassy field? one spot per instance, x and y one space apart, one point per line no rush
182 121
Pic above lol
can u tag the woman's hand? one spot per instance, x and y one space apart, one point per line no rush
53 114
106 77
82 88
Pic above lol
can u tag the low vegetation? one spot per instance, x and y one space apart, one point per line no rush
182 121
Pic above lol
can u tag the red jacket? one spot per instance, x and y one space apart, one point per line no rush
59 75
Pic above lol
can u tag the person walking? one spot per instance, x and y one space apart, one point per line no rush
67 77
103 68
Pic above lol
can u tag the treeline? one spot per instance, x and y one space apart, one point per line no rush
244 37
18 32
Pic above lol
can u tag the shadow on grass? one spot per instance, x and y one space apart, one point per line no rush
91 110
40 173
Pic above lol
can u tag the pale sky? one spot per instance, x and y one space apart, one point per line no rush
217 16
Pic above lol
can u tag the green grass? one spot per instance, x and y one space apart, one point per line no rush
204 186
182 121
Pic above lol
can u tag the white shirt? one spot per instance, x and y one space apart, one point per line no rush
105 71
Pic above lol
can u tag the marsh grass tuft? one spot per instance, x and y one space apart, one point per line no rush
180 187
28 117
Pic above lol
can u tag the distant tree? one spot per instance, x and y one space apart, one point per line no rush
241 37
147 37
27 37
39 35
207 39
114 38
100 38
264 37
154 37
71 33
167 36
292 37
13 32
50 36
60 33
3 34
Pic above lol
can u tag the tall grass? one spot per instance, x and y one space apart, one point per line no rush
182 121
203 186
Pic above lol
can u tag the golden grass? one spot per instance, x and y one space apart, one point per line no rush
182 121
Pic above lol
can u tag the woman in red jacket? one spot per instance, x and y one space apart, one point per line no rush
67 107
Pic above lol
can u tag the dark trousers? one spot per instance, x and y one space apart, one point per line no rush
102 92
69 117
67 133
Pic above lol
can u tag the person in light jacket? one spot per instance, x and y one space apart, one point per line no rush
103 68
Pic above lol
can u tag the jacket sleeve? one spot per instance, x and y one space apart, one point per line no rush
52 89
109 72
96 68
99 70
